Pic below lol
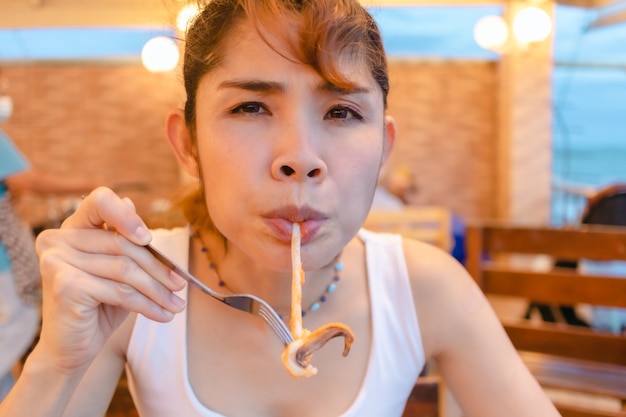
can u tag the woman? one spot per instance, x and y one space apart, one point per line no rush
284 123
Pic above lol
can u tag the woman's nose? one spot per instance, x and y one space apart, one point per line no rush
299 167
298 159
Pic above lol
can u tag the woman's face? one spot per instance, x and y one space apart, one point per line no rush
277 144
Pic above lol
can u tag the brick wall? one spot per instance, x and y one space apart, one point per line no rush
106 121
446 122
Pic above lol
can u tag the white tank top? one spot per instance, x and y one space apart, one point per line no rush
157 354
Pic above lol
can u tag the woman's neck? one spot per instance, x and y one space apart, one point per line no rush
233 272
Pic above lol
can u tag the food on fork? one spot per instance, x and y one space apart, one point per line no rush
297 355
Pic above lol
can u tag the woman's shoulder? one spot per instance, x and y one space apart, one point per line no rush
423 257
441 288
419 256
428 267
432 270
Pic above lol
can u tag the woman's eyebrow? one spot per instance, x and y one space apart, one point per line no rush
277 87
254 85
335 89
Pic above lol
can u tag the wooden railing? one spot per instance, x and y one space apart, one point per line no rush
577 359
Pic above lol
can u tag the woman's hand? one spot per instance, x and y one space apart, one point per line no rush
94 272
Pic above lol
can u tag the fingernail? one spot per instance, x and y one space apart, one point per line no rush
177 301
168 315
142 235
177 279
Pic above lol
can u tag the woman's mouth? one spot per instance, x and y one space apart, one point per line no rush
281 222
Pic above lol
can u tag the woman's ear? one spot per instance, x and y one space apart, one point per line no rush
390 136
179 138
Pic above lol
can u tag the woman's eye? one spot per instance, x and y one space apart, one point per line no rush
251 107
343 113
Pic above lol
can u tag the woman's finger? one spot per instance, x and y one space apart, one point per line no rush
103 207
158 285
108 255
77 287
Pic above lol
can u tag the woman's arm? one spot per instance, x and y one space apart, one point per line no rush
465 337
96 389
43 390
95 272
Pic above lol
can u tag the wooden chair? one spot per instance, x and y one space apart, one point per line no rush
606 206
579 360
425 399
426 223
122 404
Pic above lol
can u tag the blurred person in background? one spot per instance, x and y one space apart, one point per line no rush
19 266
397 188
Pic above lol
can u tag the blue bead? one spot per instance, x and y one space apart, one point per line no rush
323 299
315 307
331 288
338 266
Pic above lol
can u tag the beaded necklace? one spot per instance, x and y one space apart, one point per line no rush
316 305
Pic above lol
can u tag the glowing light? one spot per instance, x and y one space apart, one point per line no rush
160 54
491 32
532 24
186 15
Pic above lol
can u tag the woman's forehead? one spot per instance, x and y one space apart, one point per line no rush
262 52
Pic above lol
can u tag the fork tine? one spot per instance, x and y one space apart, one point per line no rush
253 305
286 335
244 302
286 338
273 322
279 327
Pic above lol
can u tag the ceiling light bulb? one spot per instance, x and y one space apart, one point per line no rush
532 24
186 15
160 54
491 32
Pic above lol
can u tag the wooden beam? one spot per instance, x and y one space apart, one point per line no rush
89 13
588 4
98 13
608 20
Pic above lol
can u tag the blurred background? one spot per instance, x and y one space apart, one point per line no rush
494 122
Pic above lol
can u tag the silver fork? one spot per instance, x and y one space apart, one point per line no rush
244 302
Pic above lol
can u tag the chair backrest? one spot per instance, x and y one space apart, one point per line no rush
607 207
430 224
490 250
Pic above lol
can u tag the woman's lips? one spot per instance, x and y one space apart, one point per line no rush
282 229
281 221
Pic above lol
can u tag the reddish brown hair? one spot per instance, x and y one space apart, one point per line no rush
320 33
